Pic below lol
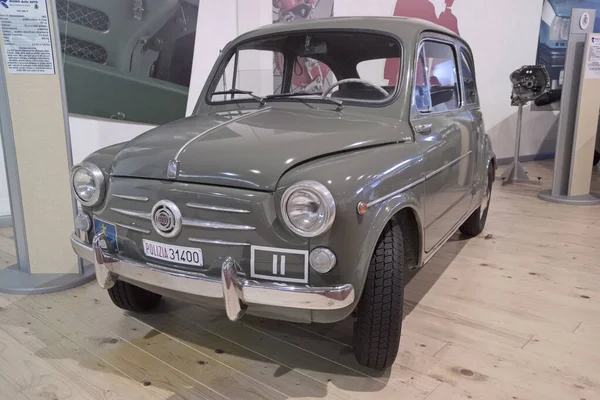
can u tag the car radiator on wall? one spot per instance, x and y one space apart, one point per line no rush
71 12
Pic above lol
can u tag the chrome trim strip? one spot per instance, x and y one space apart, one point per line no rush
417 182
134 198
130 213
133 228
389 196
198 223
232 287
437 171
217 208
217 242
215 128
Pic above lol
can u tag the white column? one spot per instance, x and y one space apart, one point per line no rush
39 163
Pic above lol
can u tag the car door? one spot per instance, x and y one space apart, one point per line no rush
443 130
471 100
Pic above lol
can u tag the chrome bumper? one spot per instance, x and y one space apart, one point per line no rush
236 291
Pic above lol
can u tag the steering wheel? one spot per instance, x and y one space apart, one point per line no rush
355 80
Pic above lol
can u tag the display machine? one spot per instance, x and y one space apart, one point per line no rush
529 83
578 116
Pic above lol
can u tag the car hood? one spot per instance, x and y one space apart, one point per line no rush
250 149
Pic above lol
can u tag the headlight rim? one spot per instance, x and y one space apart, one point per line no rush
98 177
324 195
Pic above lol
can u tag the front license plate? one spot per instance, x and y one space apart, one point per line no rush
110 243
175 254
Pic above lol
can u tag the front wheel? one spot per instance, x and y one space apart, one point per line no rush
379 313
596 157
475 224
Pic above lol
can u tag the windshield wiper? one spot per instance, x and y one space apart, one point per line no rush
338 103
261 100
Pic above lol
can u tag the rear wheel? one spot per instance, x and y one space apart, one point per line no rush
379 313
133 298
475 224
596 157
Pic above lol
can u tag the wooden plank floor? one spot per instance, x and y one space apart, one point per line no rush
513 314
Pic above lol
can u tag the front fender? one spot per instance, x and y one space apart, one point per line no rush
103 158
362 247
366 175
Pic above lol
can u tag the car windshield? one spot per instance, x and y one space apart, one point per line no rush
301 67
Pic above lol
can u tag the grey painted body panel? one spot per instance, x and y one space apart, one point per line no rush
264 144
244 157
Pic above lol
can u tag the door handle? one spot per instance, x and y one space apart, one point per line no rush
424 128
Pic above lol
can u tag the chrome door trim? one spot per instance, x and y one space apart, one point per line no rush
418 181
389 196
446 166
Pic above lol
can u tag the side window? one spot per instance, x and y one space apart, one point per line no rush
436 86
469 78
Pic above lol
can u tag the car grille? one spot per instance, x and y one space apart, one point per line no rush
81 15
223 222
83 49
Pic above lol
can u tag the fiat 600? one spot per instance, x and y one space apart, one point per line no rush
322 161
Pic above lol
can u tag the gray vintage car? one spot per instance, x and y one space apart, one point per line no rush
298 202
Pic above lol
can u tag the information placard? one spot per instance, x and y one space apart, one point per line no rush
592 66
26 35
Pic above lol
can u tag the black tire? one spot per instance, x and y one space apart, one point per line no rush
132 298
475 224
596 157
379 313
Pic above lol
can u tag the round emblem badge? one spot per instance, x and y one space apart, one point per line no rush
584 21
166 218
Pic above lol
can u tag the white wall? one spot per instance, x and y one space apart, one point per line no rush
89 134
504 38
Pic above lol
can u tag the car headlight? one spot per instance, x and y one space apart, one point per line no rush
308 208
87 182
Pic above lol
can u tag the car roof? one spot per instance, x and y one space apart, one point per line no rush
401 27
